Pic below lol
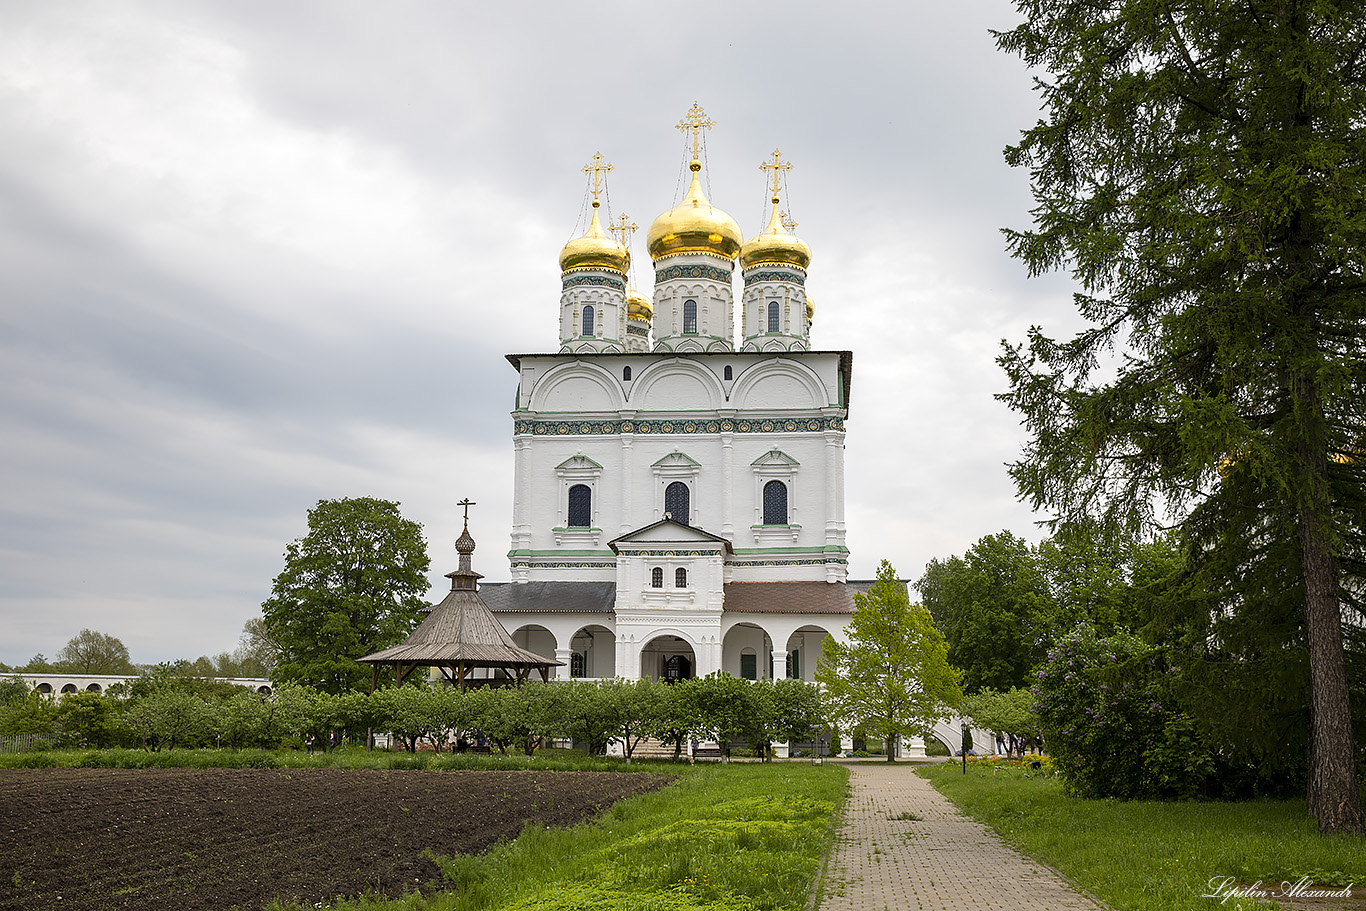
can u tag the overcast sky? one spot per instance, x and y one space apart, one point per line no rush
254 254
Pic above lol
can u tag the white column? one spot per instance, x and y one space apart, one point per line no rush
727 485
628 486
521 530
779 664
563 655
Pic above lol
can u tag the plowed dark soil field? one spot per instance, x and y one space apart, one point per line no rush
222 839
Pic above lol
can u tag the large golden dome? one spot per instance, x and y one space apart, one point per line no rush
595 250
775 245
810 309
694 226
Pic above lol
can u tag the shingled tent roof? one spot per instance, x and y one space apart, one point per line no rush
460 634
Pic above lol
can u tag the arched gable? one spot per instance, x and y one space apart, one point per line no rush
677 385
577 387
779 384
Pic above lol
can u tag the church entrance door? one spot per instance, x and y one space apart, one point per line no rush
667 658
677 668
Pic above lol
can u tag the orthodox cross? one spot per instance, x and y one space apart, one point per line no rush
467 503
622 229
597 169
777 170
697 121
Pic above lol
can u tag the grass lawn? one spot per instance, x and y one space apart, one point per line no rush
1153 855
736 836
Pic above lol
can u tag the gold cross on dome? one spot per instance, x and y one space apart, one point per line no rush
697 121
597 169
621 230
467 503
777 170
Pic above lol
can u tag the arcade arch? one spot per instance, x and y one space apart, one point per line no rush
669 658
593 652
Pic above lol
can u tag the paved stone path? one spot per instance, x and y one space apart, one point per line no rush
940 859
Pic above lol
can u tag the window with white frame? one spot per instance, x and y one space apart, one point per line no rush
775 495
676 477
578 502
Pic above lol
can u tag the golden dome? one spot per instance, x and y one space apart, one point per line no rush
638 306
694 226
775 245
810 308
595 250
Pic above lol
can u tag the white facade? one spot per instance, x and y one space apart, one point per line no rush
679 505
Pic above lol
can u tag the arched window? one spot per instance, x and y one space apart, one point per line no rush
772 316
775 503
677 501
588 320
657 577
680 578
580 506
690 317
728 375
625 373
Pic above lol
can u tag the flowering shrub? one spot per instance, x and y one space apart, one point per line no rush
1106 708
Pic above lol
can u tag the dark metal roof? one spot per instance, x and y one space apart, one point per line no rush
788 598
586 597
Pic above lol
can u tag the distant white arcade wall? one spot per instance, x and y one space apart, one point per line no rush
57 684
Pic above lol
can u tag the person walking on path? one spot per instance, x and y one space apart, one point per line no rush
903 845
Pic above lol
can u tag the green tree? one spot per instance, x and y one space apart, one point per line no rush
1010 712
727 709
639 708
89 652
893 675
992 606
256 652
351 586
86 720
1198 169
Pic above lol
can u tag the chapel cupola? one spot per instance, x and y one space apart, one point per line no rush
693 247
775 311
593 272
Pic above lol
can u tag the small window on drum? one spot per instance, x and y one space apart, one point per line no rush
580 506
690 317
775 503
680 578
657 577
587 320
727 374
626 373
772 316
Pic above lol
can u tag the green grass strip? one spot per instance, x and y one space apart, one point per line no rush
1150 855
723 837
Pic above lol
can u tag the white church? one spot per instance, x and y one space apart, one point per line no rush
679 492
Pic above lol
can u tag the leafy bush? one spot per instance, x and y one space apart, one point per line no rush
1110 723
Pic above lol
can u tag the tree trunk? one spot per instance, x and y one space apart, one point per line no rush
1332 794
